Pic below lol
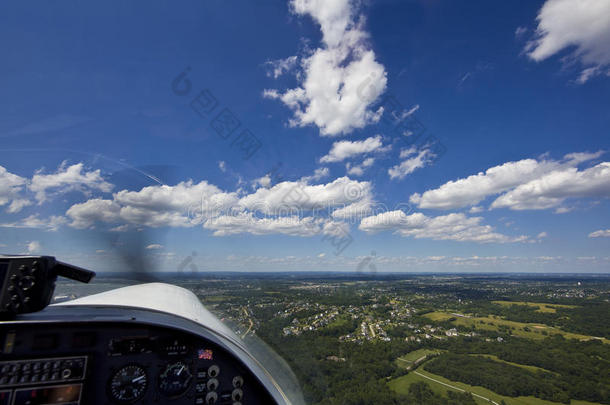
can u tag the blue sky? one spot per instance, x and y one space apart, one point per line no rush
429 135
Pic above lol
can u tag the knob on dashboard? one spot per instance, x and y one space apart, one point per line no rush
213 371
238 381
212 384
237 394
211 398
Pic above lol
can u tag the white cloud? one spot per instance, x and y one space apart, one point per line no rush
475 209
495 180
588 73
354 170
405 153
358 170
84 215
438 263
11 189
33 221
364 208
154 246
264 181
68 178
520 31
248 223
65 179
300 196
455 226
602 233
222 166
552 189
278 67
583 25
188 204
411 164
165 205
342 79
318 174
342 150
33 247
357 210
542 235
183 205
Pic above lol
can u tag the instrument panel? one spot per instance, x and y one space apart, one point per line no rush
124 362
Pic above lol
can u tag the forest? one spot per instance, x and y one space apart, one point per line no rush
579 369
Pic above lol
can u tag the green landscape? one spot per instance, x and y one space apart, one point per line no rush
424 339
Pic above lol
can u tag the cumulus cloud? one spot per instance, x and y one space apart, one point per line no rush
290 207
340 80
299 196
414 160
495 180
248 223
455 226
154 246
68 178
33 246
552 189
602 233
11 189
364 208
84 215
318 174
264 181
358 170
347 149
276 68
581 25
183 205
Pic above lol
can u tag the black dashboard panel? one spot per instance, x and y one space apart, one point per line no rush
126 361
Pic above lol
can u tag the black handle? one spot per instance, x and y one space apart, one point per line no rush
74 272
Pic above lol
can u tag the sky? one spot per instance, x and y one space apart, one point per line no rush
306 135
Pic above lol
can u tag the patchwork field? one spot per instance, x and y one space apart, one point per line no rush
411 358
493 323
441 385
523 366
542 307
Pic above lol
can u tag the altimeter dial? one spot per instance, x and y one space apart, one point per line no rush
128 384
175 380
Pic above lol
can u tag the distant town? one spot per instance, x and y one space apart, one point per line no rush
438 339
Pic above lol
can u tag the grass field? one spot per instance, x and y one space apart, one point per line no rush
551 308
410 358
523 366
533 331
401 385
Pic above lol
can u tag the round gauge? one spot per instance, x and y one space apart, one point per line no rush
175 380
128 384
